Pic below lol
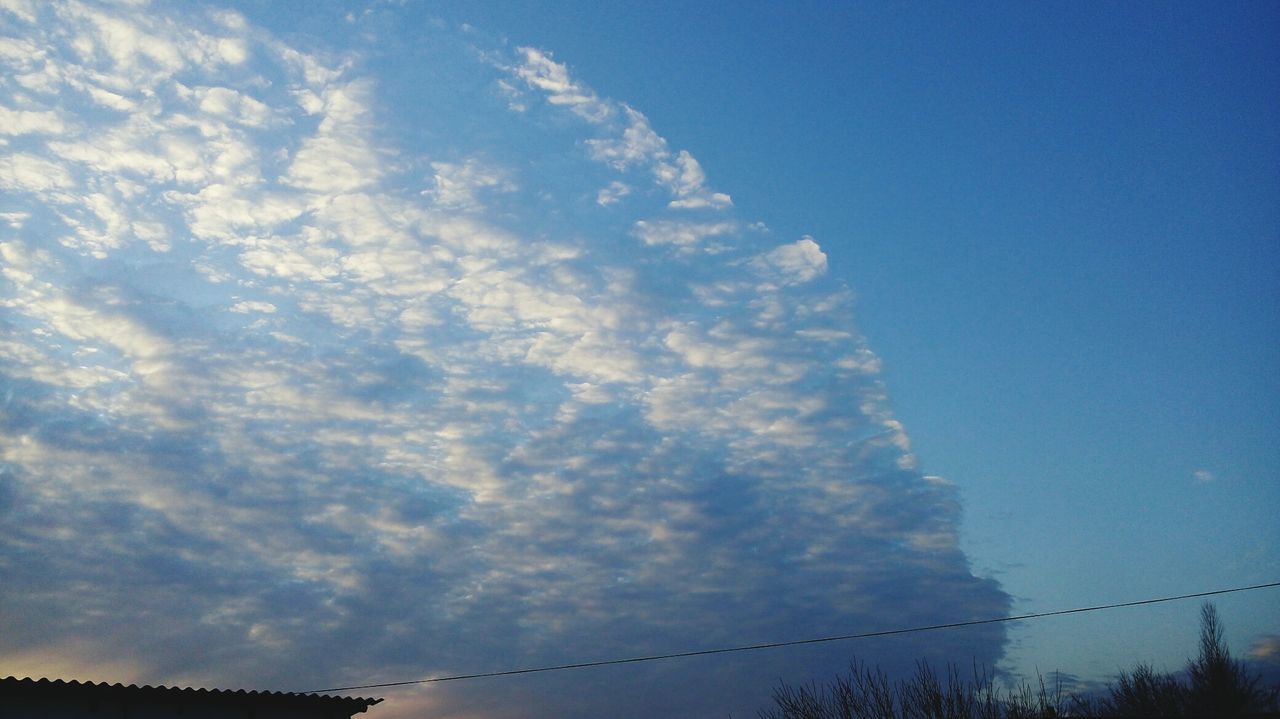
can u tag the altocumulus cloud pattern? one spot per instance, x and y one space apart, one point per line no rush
318 370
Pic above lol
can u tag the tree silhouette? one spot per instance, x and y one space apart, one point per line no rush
1144 693
867 693
1213 685
1220 686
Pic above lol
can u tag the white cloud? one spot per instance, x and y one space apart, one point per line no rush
862 360
233 106
127 43
144 148
627 143
24 172
1203 476
543 73
15 220
713 200
614 192
243 335
248 306
24 9
679 233
637 143
339 157
798 262
278 257
230 212
24 122
684 177
458 185
23 54
109 99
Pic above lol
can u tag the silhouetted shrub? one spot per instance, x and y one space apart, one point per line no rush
865 692
1220 686
1144 693
1215 685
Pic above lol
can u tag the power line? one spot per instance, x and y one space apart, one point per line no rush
798 642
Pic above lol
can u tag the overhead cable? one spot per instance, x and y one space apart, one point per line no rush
798 642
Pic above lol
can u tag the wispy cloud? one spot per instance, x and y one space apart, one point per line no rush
681 233
625 139
1266 649
273 384
611 194
540 71
458 185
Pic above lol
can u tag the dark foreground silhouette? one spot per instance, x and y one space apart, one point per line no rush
1212 685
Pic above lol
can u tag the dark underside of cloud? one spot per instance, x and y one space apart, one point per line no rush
293 397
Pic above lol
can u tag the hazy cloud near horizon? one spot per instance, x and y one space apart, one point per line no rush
295 397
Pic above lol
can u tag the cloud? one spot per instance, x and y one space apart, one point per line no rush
24 9
798 262
231 105
24 172
253 306
1266 649
686 180
458 185
680 233
265 396
1203 476
15 220
1263 659
339 157
628 140
614 192
25 122
637 144
551 77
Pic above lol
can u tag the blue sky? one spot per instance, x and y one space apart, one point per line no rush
357 343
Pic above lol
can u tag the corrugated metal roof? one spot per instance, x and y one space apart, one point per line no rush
27 687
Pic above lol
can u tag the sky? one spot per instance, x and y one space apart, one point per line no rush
347 343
